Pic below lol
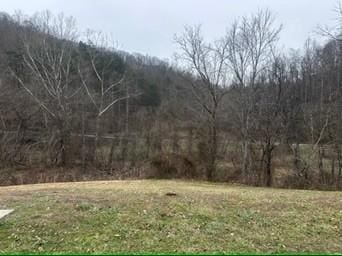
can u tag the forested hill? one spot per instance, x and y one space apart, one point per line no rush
77 108
154 79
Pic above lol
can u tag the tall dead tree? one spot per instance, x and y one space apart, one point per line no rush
267 117
206 63
251 42
103 78
48 54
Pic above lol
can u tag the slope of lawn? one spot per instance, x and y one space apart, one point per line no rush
139 216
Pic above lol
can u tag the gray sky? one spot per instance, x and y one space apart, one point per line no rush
148 26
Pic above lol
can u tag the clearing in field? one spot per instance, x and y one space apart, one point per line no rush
168 216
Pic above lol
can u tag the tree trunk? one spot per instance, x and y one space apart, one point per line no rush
64 141
190 141
244 167
64 146
269 174
96 138
296 156
333 170
320 164
339 159
127 111
83 156
212 149
111 154
175 142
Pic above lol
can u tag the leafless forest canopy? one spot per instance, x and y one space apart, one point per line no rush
236 109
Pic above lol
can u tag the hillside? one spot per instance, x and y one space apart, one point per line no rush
139 216
74 108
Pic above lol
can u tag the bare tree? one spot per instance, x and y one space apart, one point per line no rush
251 43
49 56
103 77
267 120
206 63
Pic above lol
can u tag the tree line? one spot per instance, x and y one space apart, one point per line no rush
234 109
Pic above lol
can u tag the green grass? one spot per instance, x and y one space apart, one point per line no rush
137 216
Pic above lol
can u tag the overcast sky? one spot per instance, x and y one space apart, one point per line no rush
148 26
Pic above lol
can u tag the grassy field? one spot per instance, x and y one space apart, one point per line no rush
138 216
